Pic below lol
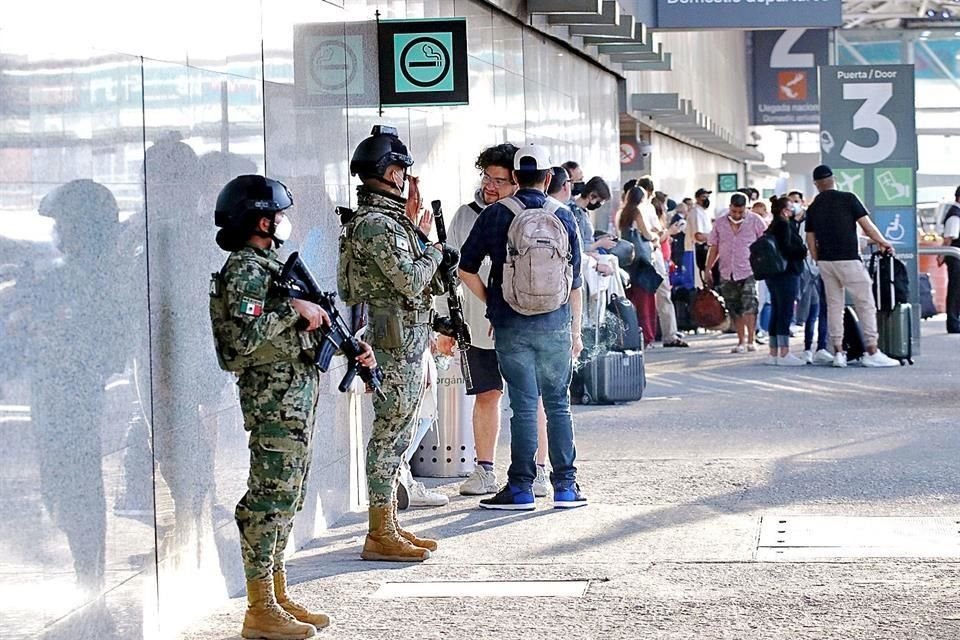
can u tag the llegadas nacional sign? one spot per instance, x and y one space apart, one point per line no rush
748 14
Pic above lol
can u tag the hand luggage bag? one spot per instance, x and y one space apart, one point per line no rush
928 308
612 376
896 333
891 283
853 343
682 301
623 324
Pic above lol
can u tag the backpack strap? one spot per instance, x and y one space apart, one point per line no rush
552 205
477 209
513 203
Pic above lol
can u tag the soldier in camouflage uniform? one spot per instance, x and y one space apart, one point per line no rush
387 262
257 332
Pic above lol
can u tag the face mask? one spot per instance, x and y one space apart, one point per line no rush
706 203
402 183
282 231
737 222
577 188
593 206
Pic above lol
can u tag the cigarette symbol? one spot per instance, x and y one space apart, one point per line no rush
428 52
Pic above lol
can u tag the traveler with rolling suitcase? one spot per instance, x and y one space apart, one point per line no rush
832 221
891 290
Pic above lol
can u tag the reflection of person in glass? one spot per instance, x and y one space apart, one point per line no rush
258 336
75 330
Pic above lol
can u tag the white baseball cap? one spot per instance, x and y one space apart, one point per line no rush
532 157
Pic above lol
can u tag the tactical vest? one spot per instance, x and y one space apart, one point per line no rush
286 347
953 212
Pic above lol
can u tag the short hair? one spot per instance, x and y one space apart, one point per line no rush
526 178
956 194
738 200
796 193
645 183
570 165
558 178
500 155
596 185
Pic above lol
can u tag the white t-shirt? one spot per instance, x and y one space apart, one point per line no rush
952 228
702 221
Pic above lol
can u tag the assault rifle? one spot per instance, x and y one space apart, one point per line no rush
297 282
455 325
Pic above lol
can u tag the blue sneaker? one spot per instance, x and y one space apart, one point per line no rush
511 499
568 497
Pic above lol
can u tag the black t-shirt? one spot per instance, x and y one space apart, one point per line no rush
832 218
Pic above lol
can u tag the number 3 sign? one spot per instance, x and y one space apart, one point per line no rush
868 115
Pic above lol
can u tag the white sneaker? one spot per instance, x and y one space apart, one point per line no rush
541 485
822 356
420 496
791 360
840 360
480 483
808 357
878 359
771 361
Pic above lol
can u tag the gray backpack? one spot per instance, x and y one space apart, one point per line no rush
537 275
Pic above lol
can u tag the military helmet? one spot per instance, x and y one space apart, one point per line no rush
248 198
382 149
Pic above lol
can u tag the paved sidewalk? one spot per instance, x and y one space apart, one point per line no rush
684 487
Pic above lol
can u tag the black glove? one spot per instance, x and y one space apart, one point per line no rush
451 258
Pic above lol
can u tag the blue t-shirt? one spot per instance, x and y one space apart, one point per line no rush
489 238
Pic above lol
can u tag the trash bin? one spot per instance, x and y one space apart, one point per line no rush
448 450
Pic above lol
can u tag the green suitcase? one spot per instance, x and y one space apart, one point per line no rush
896 332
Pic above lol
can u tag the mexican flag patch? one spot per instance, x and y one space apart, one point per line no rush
251 307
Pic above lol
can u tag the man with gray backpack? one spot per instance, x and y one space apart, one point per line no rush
534 303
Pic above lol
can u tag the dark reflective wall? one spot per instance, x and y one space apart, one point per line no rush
122 451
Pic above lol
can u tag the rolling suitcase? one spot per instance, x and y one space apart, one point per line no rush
613 377
896 333
891 284
609 377
682 300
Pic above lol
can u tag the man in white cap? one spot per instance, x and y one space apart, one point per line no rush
534 303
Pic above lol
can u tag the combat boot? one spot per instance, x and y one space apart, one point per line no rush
266 620
297 610
385 543
423 543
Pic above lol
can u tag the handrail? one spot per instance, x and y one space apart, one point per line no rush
952 252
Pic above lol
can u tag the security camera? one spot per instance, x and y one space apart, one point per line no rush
645 149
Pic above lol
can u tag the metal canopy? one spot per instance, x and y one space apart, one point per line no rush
873 14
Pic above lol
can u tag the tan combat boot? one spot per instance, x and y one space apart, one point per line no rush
385 543
266 620
423 543
297 610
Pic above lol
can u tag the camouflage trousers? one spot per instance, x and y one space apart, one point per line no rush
279 403
396 414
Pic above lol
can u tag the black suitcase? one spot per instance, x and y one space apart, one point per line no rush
853 343
928 308
613 377
623 326
895 329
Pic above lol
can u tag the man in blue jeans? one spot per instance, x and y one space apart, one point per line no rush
536 352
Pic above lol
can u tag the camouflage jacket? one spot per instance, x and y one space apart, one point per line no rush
383 261
252 324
